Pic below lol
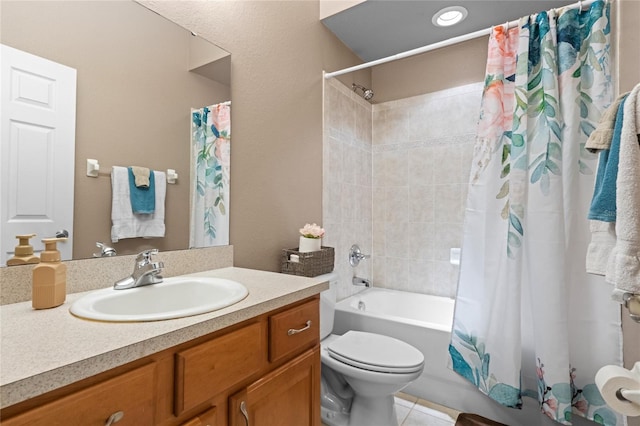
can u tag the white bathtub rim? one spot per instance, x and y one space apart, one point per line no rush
346 305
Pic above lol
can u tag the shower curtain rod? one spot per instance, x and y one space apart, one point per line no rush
438 45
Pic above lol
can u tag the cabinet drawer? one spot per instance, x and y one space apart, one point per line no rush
206 370
208 418
293 330
132 393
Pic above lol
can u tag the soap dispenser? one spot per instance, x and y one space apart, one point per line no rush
23 254
49 277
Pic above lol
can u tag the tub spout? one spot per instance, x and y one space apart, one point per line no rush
361 281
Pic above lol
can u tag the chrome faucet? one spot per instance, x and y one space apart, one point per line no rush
356 255
145 272
105 251
361 281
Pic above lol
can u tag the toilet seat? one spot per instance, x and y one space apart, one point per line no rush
375 352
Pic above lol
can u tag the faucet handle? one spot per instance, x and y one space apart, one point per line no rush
105 251
355 255
145 256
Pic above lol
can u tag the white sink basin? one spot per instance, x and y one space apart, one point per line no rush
175 297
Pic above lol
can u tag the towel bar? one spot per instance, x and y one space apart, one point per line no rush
93 170
632 303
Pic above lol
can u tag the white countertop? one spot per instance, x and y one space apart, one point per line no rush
42 350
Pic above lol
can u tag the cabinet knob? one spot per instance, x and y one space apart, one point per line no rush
114 418
243 410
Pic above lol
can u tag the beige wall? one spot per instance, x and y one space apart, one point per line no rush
332 7
430 72
276 116
133 102
279 50
628 44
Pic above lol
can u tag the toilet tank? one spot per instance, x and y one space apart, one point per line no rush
328 304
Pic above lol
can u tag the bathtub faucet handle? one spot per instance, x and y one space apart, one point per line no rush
356 255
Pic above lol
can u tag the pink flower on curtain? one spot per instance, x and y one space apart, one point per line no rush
223 152
498 99
503 48
222 121
494 119
222 117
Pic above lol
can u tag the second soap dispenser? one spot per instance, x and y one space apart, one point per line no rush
49 277
23 254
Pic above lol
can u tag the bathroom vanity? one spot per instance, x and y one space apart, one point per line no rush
258 360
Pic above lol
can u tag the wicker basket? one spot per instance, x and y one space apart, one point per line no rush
310 264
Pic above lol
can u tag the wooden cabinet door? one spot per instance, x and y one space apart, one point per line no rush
288 396
133 394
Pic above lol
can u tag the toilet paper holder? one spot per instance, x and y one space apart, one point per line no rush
629 394
620 388
632 396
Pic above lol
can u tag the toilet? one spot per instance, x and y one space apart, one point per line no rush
361 372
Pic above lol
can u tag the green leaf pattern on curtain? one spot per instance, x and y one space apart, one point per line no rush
547 83
211 139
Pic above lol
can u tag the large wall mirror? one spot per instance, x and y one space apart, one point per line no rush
138 78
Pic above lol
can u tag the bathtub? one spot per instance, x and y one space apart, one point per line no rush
425 322
422 320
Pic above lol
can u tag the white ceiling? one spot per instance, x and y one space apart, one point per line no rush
376 29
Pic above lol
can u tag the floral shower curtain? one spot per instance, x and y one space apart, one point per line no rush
529 321
210 156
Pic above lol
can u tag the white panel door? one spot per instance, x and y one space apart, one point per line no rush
37 126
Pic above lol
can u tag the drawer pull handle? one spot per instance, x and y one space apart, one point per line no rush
114 418
293 331
243 410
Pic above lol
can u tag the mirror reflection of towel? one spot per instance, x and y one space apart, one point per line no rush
125 224
142 176
143 200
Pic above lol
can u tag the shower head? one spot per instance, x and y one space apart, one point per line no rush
366 93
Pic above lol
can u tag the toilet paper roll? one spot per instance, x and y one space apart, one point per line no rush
610 380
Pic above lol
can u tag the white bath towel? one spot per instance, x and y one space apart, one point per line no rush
603 241
623 268
125 224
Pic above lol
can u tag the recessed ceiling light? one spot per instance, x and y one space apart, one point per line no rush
449 16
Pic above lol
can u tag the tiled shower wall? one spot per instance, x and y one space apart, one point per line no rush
422 151
346 203
395 178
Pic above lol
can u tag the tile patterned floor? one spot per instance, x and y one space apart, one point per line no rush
412 411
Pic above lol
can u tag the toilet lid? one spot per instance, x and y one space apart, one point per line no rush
376 352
